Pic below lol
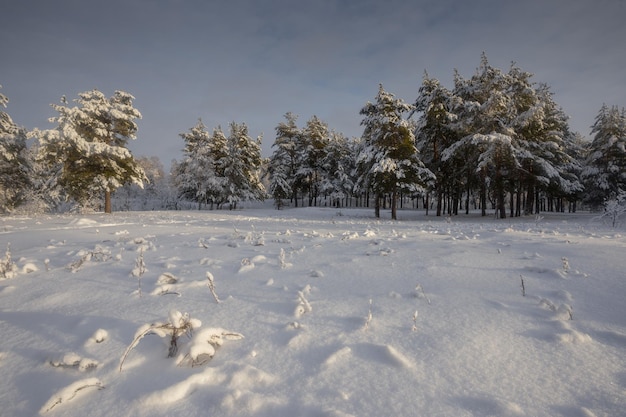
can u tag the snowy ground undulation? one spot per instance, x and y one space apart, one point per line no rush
341 315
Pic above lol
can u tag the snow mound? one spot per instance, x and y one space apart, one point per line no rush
83 222
72 360
209 377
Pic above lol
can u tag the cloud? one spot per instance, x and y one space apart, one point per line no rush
252 61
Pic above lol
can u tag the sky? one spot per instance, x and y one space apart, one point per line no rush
252 61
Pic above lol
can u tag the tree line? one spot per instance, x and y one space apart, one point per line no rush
496 140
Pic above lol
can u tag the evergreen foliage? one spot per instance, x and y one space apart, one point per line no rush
196 176
284 164
15 165
511 136
217 169
388 160
604 171
434 133
495 140
337 166
242 166
88 147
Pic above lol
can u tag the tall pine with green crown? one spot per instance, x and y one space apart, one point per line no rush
90 145
388 161
604 171
14 163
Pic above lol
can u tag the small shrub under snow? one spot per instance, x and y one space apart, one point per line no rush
201 348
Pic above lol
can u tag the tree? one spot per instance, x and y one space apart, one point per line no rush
434 133
279 179
336 168
541 135
512 134
483 126
614 208
604 171
197 178
284 162
15 165
154 194
89 145
388 160
242 167
218 149
312 147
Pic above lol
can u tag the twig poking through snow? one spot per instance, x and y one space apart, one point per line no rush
8 268
420 292
368 319
523 287
139 269
212 286
69 392
282 262
414 328
303 304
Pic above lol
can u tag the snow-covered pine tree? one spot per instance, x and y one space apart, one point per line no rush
218 150
486 141
540 132
196 176
512 134
604 170
279 180
89 146
336 167
575 146
312 148
284 163
242 167
388 161
434 133
15 165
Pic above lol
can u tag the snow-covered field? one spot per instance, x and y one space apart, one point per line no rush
340 315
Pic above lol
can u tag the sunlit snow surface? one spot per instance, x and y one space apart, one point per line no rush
326 302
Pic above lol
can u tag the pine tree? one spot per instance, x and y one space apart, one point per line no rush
512 135
279 184
89 145
196 176
486 137
15 165
284 163
218 151
434 133
312 148
604 171
242 167
388 160
336 168
540 133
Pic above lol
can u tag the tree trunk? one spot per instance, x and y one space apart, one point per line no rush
107 202
394 204
483 198
439 200
377 206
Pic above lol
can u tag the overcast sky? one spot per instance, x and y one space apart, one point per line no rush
254 60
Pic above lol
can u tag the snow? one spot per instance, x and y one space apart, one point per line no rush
321 312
